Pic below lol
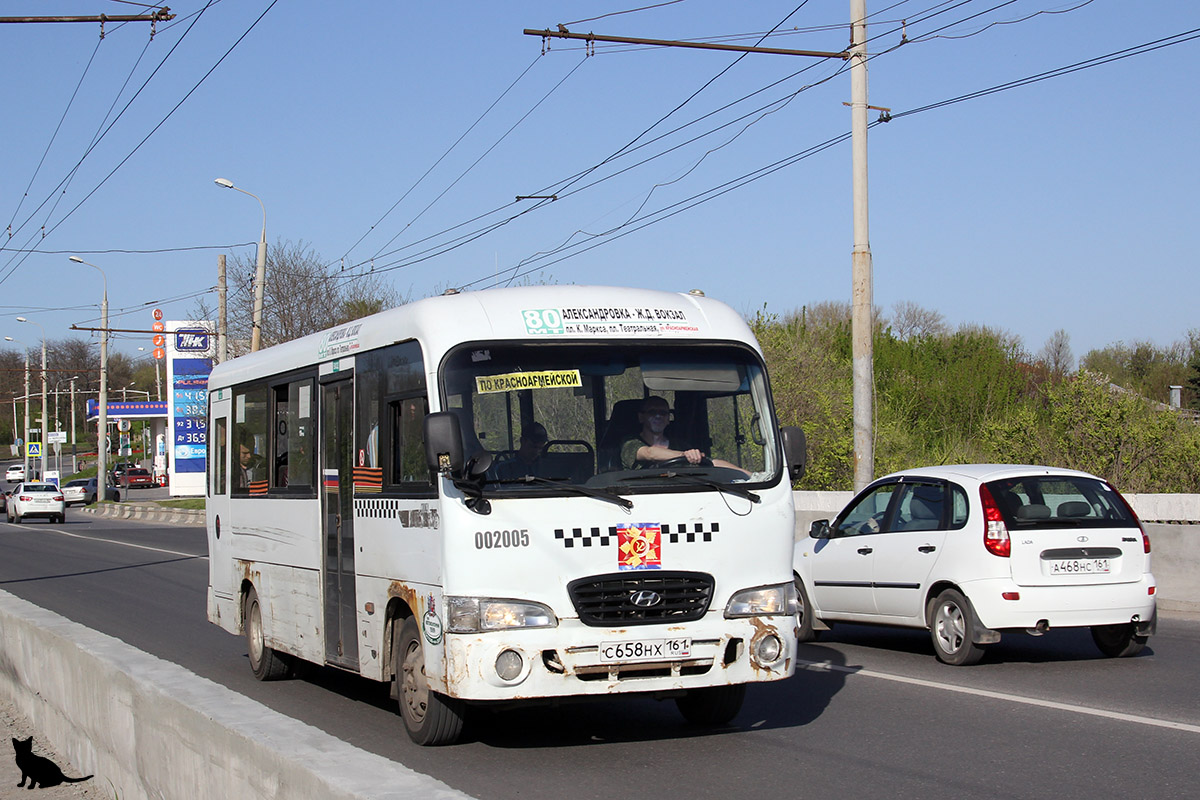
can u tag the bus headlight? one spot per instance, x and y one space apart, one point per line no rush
480 614
763 601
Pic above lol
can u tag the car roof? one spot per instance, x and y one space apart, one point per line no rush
985 473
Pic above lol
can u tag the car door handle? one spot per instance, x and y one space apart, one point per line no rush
865 551
927 548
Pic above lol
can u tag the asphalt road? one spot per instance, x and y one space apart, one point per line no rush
870 711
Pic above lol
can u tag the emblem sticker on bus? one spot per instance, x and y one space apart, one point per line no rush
639 546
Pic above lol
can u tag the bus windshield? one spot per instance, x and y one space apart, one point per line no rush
633 415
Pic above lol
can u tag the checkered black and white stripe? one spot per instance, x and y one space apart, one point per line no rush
688 533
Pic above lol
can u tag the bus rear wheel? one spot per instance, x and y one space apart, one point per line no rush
430 718
266 663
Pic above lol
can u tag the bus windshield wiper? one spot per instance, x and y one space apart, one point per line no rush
700 481
599 494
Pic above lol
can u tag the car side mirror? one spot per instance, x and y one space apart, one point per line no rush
443 443
795 451
820 529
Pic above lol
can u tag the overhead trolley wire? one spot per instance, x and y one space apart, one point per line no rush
54 136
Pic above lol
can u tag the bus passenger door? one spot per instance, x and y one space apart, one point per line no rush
337 428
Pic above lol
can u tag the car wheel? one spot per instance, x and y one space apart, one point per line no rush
430 718
804 623
712 705
951 628
1118 641
265 662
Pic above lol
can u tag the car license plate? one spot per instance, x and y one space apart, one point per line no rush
645 650
1080 566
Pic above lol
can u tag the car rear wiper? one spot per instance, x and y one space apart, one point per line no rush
558 483
700 481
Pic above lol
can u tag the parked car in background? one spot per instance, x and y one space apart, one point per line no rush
36 500
15 473
135 478
117 472
82 491
972 551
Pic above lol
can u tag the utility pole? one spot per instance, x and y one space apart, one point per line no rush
862 292
222 321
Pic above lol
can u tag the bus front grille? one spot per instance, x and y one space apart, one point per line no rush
642 598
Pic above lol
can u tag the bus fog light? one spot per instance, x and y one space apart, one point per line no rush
768 649
509 665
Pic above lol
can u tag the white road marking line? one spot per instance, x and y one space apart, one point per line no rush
825 666
127 544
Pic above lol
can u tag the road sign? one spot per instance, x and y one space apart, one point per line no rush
33 449
56 437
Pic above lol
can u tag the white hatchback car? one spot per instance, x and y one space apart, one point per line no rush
971 551
36 500
15 473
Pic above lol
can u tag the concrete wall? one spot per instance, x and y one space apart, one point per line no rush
152 729
1175 546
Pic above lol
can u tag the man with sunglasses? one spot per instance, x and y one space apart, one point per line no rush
651 447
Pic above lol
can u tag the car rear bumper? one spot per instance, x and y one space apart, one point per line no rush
1061 606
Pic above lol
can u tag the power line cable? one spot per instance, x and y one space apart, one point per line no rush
440 159
87 68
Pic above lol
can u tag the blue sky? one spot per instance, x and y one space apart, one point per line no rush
371 130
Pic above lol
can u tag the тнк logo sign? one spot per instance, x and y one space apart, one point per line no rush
191 341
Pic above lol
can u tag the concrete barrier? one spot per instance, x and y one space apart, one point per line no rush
152 729
147 512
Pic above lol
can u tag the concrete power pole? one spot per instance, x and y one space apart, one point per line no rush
222 295
862 323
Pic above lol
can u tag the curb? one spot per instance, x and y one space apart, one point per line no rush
147 513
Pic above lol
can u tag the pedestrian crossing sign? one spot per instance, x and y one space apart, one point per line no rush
33 449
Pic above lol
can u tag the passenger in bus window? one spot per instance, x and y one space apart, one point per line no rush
650 446
248 464
528 458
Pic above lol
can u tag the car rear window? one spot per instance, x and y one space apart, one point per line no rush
1056 501
137 472
43 487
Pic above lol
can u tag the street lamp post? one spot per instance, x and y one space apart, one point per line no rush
260 273
45 411
102 423
25 438
157 380
57 427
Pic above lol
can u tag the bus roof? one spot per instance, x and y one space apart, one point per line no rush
545 313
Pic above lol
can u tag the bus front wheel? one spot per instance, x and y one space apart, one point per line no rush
265 662
430 718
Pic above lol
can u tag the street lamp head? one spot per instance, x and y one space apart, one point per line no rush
22 319
9 339
76 259
228 184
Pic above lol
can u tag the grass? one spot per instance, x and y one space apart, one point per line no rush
190 502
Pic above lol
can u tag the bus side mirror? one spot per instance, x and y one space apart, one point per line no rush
795 451
443 443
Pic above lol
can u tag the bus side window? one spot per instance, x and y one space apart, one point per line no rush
249 445
219 462
409 467
293 435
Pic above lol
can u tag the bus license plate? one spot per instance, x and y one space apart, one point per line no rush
645 650
1080 566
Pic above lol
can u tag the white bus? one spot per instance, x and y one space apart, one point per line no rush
474 498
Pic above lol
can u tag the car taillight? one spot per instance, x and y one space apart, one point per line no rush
1133 514
24 499
995 532
58 498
